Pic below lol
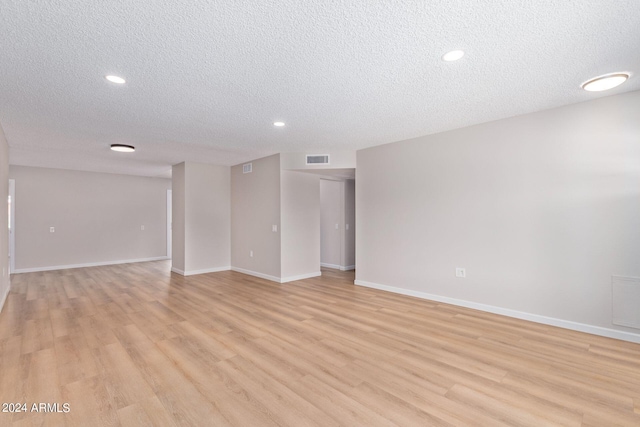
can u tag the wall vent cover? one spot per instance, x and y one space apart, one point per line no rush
317 159
247 168
626 301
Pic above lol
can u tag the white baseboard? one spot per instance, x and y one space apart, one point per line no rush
334 266
4 297
338 267
300 277
90 264
256 274
274 278
203 271
567 324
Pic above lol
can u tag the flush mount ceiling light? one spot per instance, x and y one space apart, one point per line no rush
115 79
454 55
605 82
123 148
278 124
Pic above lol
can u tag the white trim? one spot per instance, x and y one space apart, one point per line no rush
334 266
255 273
203 271
300 277
177 270
277 279
338 267
90 264
4 298
567 324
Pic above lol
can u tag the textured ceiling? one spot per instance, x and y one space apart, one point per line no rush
206 80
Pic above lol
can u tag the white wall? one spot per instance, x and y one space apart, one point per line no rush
4 233
255 208
97 217
289 200
203 218
208 217
540 209
300 209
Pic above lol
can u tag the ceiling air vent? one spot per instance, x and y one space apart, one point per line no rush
246 168
317 159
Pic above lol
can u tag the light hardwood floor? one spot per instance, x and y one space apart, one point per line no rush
134 345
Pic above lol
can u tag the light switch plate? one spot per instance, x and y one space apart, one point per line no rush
461 272
52 229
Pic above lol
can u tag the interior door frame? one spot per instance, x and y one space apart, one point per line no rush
169 223
12 225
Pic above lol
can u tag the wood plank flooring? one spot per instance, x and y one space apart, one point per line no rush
133 345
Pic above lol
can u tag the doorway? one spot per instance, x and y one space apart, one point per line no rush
11 203
169 222
337 223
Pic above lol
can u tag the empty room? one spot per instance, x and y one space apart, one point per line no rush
320 213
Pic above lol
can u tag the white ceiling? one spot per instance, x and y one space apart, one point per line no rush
206 80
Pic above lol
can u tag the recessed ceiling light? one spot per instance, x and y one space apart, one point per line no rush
605 82
123 148
278 124
115 79
454 55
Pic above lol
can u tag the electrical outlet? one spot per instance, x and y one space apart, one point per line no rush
337 226
52 229
461 272
274 228
142 227
251 254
